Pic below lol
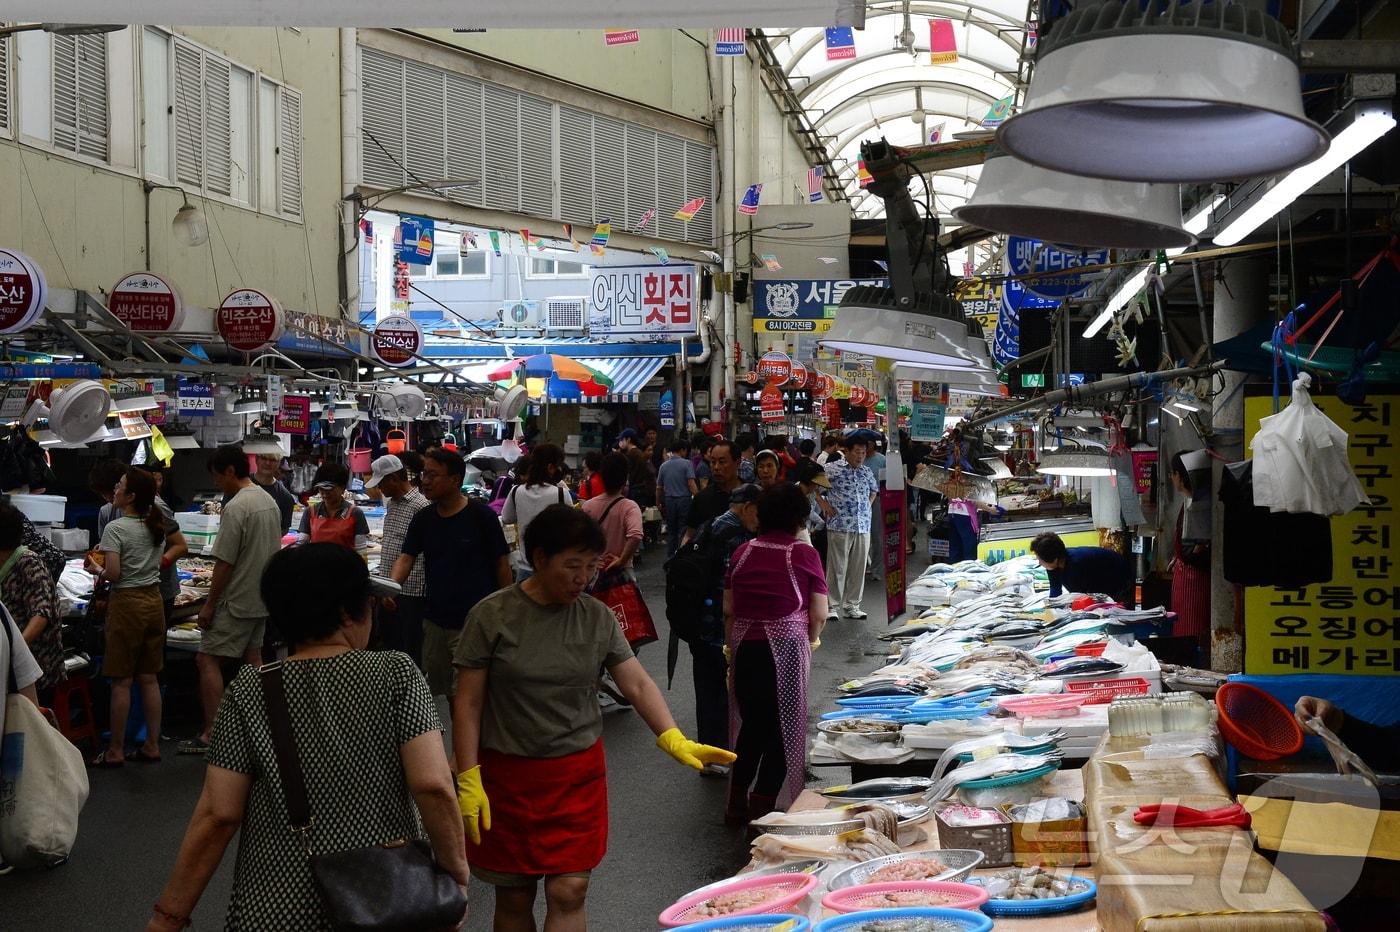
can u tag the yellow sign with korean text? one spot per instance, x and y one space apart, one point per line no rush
1351 623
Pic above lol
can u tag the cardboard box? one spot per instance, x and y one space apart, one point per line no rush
1057 842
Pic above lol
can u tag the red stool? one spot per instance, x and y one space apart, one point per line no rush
75 688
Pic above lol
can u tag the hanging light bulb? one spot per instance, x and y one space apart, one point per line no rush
1184 92
189 226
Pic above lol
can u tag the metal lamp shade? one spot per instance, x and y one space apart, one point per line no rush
965 381
1076 463
1183 93
902 337
1025 200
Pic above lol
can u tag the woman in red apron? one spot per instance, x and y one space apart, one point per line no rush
335 520
526 727
775 607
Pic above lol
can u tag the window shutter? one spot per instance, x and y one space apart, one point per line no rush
641 174
289 151
218 177
423 155
65 92
189 118
670 185
462 137
501 173
537 172
92 96
5 84
575 166
609 171
700 182
382 117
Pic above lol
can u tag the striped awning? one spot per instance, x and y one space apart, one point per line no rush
628 374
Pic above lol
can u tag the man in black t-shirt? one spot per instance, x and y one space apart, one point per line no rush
465 559
713 500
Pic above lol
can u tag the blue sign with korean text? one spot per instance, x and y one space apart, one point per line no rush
1027 256
196 399
414 241
797 305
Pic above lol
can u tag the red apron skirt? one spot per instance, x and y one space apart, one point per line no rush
548 815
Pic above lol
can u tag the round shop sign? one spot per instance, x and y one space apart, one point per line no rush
249 319
751 378
799 375
397 340
823 387
146 302
770 403
775 368
23 291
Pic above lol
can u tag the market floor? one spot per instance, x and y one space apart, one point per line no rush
667 833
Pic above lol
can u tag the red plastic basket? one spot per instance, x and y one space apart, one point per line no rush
1094 649
1101 691
1258 725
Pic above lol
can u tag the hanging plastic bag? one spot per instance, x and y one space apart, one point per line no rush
1301 462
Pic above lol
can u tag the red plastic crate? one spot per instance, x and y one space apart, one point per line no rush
1094 649
1102 691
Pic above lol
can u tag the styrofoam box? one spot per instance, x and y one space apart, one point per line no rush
69 538
41 509
192 521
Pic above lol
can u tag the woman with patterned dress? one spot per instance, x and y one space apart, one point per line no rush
369 741
27 590
775 608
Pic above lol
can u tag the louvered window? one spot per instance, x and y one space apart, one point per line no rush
218 162
528 155
80 95
210 119
5 85
289 151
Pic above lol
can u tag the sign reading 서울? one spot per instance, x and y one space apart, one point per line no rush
248 319
397 340
23 291
801 305
146 302
642 303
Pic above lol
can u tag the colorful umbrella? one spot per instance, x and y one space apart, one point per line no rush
546 365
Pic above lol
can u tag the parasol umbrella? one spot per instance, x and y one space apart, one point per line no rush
552 366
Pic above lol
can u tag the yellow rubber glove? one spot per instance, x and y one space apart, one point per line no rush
815 644
473 804
692 753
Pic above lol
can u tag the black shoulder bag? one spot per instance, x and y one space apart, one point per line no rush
393 887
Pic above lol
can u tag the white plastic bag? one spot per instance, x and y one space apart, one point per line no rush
1301 462
43 785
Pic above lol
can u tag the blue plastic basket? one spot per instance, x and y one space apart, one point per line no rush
877 702
967 920
890 715
1014 779
774 923
966 756
1056 904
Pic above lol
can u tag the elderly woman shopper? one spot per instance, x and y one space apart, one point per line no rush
27 590
526 726
368 739
335 520
768 469
131 550
775 608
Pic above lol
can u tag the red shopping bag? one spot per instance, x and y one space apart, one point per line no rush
627 605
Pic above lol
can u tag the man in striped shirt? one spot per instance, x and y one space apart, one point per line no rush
401 620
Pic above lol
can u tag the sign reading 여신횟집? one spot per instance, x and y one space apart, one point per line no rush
641 303
1351 623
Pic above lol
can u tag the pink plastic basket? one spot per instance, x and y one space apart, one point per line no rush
1055 705
789 889
870 895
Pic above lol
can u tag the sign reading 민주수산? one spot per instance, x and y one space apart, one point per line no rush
23 291
643 303
801 304
248 319
196 399
1350 624
1027 256
146 302
397 340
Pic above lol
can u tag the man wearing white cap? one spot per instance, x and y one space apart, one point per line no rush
401 618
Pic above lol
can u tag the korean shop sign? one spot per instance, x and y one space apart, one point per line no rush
801 305
643 303
249 319
146 302
23 291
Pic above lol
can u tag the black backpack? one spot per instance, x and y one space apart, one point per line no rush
693 591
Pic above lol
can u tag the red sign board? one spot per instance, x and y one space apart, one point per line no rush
248 320
823 387
397 340
831 409
775 368
894 510
801 375
146 302
23 291
751 378
294 417
770 404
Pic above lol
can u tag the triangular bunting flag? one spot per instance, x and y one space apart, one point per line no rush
690 209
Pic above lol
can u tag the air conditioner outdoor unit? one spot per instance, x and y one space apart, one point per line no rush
566 314
520 315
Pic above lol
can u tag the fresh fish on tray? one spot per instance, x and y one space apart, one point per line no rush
1078 666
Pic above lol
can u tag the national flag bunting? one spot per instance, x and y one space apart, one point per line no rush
968 270
729 41
999 112
647 216
661 254
935 134
690 209
467 243
711 255
1032 35
599 244
840 43
496 243
528 239
569 234
749 205
366 232
863 175
942 44
770 262
814 184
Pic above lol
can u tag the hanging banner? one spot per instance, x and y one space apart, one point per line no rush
23 291
396 341
894 507
729 41
196 399
146 303
999 112
942 44
770 403
927 412
1350 624
642 303
775 368
840 43
248 320
294 415
414 240
1025 256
